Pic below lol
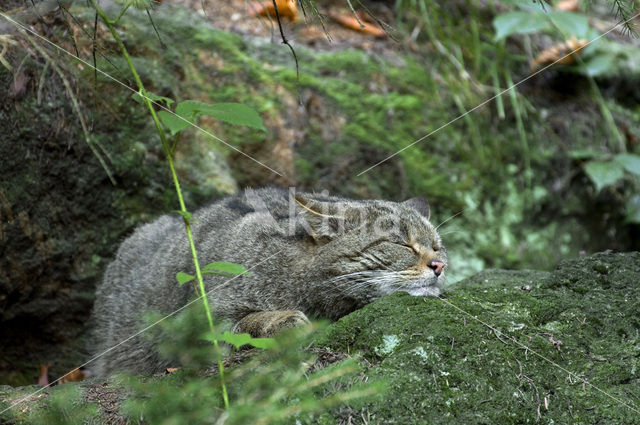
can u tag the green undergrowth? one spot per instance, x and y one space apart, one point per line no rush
269 386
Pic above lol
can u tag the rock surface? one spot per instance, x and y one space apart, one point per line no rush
507 347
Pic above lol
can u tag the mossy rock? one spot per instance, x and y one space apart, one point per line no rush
506 347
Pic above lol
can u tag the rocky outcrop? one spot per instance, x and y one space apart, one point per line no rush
507 347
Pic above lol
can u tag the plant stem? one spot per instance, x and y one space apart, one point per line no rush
124 9
176 183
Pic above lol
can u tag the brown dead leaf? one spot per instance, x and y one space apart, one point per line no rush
43 376
286 9
76 375
562 54
570 5
348 20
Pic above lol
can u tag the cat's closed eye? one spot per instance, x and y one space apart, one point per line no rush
411 248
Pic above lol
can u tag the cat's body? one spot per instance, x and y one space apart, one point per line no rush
313 254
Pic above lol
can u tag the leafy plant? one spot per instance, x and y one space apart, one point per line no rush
240 340
219 268
598 58
610 170
65 406
268 387
186 113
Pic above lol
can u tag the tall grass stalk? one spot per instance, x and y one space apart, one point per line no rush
183 210
608 117
518 112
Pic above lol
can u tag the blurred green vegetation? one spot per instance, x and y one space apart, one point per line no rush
270 386
513 171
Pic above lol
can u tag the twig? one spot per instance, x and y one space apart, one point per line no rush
164 46
285 41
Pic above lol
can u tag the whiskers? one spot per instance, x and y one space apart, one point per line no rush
372 284
450 232
450 218
354 283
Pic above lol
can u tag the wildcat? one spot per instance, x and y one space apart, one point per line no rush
307 254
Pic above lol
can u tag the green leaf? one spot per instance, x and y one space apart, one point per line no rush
174 123
570 23
585 154
232 113
264 343
597 65
184 278
222 266
630 162
154 97
185 214
633 209
519 22
604 173
239 340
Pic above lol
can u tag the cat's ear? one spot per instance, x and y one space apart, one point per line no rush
323 218
419 204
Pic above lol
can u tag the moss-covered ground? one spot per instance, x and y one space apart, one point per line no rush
509 347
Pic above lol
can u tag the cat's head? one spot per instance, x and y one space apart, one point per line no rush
368 249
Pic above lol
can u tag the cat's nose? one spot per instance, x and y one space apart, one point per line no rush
437 266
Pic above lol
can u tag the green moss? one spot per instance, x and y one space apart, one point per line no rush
443 365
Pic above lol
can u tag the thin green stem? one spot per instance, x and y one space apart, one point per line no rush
608 117
124 9
515 104
174 176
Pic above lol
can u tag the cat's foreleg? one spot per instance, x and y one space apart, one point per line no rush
265 324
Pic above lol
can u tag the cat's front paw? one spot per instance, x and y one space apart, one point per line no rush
266 324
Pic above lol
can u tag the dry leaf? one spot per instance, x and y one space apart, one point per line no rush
76 375
351 22
286 9
570 5
43 377
562 54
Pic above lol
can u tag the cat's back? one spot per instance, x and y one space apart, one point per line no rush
161 246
